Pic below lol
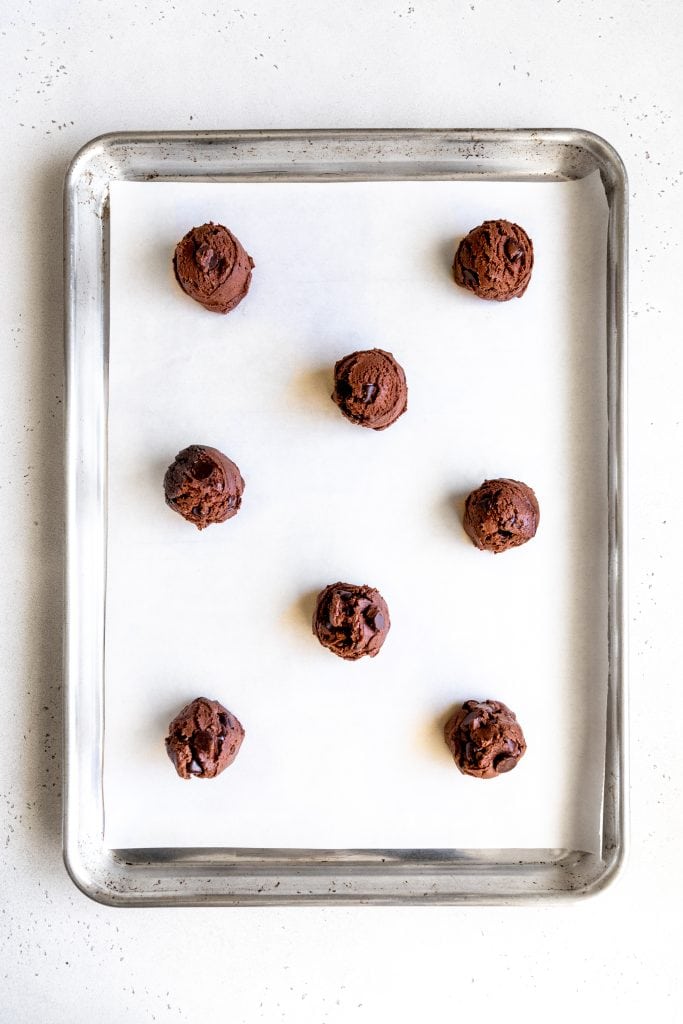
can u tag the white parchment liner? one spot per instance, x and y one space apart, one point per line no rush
351 754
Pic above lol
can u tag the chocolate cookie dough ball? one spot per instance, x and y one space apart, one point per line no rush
370 388
203 739
203 486
501 514
351 621
495 261
212 267
485 738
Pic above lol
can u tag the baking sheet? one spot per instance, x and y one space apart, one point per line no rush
338 754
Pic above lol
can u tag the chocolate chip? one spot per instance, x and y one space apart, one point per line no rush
368 393
206 257
504 764
374 617
473 717
469 277
343 388
202 742
513 250
202 469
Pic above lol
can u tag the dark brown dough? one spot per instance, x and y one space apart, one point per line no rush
501 514
203 739
485 738
370 388
212 267
350 620
495 261
203 486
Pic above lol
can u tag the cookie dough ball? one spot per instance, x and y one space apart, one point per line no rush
495 261
203 739
212 267
203 485
370 388
351 621
501 514
485 738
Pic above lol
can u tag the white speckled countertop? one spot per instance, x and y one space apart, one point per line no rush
72 70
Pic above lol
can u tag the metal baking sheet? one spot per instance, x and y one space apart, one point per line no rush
176 875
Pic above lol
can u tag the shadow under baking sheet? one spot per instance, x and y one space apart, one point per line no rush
43 458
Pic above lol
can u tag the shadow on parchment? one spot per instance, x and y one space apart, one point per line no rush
299 614
450 512
311 390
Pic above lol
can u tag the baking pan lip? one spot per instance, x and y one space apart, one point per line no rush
106 877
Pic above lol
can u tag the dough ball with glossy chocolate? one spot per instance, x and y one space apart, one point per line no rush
495 261
501 514
350 620
370 388
485 738
212 267
203 739
203 486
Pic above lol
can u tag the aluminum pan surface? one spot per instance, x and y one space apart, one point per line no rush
217 876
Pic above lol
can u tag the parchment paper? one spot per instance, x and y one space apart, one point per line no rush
351 754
